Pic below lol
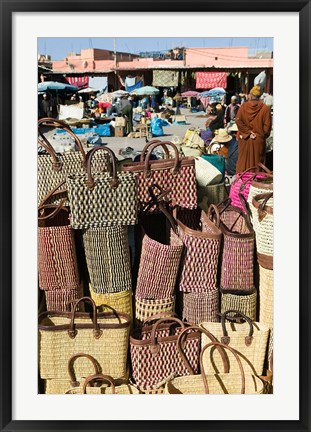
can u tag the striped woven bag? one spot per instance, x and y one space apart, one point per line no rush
108 259
102 199
242 183
243 303
199 263
199 307
53 168
154 354
57 260
262 205
147 308
159 262
237 258
174 174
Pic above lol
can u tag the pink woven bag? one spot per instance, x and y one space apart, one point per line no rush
242 183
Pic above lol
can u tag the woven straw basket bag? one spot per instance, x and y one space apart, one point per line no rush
107 254
53 168
113 387
220 383
249 339
211 194
63 334
263 226
154 354
243 303
60 386
120 301
266 296
199 263
199 307
147 308
175 174
101 199
237 258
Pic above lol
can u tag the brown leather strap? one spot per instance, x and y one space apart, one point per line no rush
56 162
55 123
148 145
234 352
163 144
213 208
159 316
99 377
154 347
71 372
96 330
90 180
210 336
264 168
225 338
57 208
262 208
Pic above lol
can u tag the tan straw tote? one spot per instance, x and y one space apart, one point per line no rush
249 339
221 383
120 301
60 386
243 303
103 335
113 387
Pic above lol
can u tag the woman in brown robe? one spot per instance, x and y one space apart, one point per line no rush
254 124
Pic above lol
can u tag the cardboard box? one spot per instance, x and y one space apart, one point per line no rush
179 119
119 131
120 121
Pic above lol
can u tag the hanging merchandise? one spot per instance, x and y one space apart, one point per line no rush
64 334
174 174
249 339
54 168
79 81
165 78
99 83
102 199
211 80
154 354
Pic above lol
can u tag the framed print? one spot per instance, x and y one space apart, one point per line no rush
144 253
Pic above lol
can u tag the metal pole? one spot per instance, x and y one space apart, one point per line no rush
115 63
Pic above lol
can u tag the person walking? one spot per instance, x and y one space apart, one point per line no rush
254 125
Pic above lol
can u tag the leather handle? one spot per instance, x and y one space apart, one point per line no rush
210 336
214 209
225 338
163 144
71 372
234 352
262 208
56 162
264 168
57 208
90 183
246 209
55 123
99 377
96 330
259 166
159 316
148 145
154 347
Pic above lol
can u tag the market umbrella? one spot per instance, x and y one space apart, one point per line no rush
190 93
56 86
217 91
145 91
88 90
119 93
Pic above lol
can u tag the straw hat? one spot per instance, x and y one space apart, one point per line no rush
221 136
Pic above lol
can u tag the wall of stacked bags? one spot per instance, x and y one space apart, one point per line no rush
143 291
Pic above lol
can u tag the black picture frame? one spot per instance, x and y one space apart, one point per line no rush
7 10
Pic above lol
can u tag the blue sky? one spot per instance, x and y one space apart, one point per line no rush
58 48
